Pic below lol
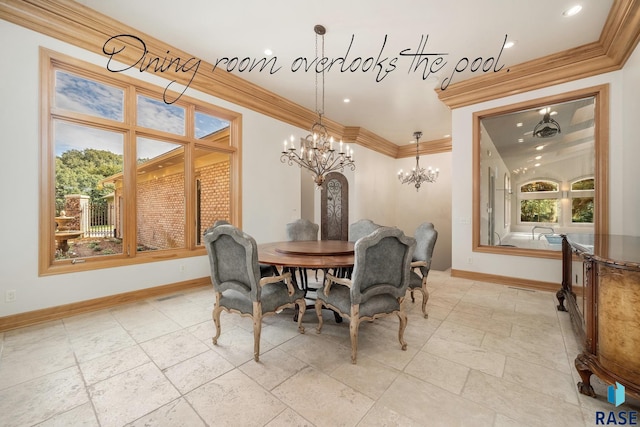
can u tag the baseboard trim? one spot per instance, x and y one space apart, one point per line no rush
54 313
506 280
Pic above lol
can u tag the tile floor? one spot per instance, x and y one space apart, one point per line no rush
488 355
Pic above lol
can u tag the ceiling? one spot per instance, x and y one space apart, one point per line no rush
392 99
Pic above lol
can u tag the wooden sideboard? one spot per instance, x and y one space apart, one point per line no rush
601 290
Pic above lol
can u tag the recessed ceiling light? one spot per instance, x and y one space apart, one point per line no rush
538 157
509 44
544 111
539 147
537 164
346 100
519 124
268 52
553 113
573 10
446 136
520 139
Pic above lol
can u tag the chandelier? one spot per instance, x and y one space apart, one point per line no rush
547 127
317 152
418 175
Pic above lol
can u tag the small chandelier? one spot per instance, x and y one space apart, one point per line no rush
418 175
547 127
317 153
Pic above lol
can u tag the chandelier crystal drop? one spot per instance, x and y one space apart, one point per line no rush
317 151
418 175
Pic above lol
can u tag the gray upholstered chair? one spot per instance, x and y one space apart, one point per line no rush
426 236
378 285
362 228
302 229
235 275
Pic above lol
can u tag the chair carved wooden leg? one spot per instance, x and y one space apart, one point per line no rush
425 298
354 323
216 320
257 328
402 316
319 314
302 307
413 299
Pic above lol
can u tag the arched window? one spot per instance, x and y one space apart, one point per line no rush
581 195
539 201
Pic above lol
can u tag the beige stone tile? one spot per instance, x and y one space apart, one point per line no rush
275 367
503 421
518 403
25 361
529 350
185 312
539 378
319 351
368 376
111 364
379 341
81 415
148 331
233 399
236 345
381 416
38 400
311 392
126 397
289 418
45 332
96 344
457 332
89 323
473 357
177 413
482 323
430 405
193 372
173 348
438 371
133 315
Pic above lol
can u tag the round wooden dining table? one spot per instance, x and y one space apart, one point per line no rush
322 254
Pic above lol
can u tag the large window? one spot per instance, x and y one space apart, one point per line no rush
539 202
582 196
126 177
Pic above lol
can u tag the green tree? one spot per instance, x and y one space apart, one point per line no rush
80 172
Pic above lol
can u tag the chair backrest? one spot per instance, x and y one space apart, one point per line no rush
426 236
362 228
302 229
233 259
382 263
215 224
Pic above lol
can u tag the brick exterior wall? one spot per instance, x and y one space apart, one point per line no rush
215 197
161 210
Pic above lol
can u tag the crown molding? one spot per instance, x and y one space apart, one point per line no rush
618 39
427 147
81 26
86 28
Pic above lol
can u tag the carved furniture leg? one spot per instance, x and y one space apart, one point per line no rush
585 373
353 330
319 313
560 297
257 328
402 316
216 319
302 307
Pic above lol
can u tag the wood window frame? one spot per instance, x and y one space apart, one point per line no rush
47 265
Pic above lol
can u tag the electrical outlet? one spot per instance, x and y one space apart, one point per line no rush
469 260
10 296
182 268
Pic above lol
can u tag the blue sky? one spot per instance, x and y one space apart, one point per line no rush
77 94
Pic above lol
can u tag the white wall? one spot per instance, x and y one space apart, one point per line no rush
432 203
631 149
270 189
621 145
